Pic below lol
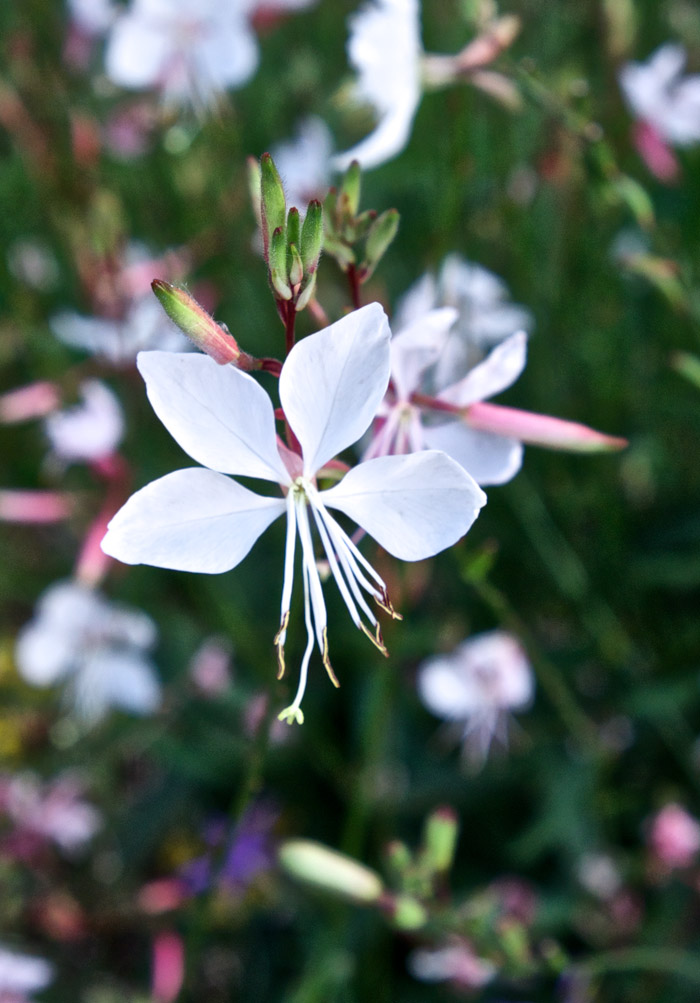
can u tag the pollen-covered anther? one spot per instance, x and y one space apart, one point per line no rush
327 662
376 638
384 602
279 640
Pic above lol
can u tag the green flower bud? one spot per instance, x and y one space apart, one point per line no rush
407 913
277 261
254 187
343 254
273 202
380 235
293 227
350 187
312 236
324 868
295 269
440 840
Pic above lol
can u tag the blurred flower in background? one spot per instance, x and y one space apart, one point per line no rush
87 431
674 837
667 106
477 685
96 647
385 49
52 810
22 975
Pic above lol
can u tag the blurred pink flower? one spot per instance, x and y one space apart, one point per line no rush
53 810
456 963
674 837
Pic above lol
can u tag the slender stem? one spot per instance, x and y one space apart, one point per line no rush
354 283
290 319
665 960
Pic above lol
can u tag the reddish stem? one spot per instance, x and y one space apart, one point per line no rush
354 282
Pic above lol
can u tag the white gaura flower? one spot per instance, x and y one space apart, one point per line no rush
97 647
407 418
330 388
477 684
87 431
658 95
144 326
385 49
191 50
22 974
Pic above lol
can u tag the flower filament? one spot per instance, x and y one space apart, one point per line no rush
353 574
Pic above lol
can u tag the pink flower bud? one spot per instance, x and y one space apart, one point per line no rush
540 429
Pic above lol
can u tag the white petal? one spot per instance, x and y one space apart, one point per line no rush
94 334
43 654
227 55
418 346
385 142
333 382
87 431
220 416
414 506
190 520
137 52
444 691
490 459
129 682
21 973
498 371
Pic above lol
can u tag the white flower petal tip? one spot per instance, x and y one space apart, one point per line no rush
190 520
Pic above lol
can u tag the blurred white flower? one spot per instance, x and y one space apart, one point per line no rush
22 974
145 325
485 314
385 49
477 685
97 647
88 431
191 50
456 962
304 163
658 94
93 17
54 810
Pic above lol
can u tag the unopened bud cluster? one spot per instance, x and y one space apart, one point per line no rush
357 240
291 248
